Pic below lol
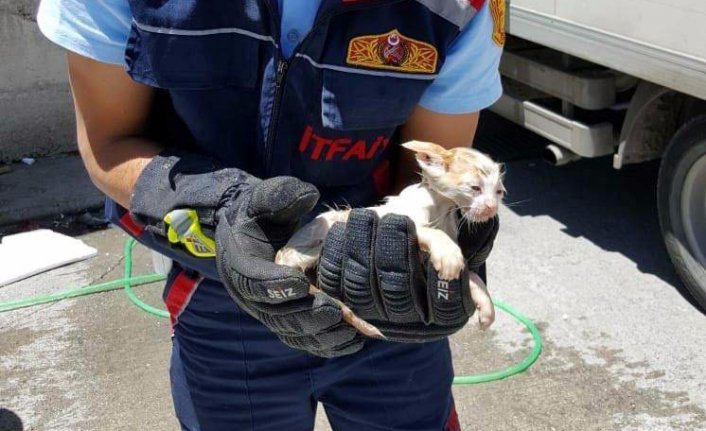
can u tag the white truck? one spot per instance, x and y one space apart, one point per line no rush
625 78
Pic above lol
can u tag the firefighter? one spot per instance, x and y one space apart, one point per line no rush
253 115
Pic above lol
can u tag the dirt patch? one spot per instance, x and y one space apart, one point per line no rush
25 9
563 391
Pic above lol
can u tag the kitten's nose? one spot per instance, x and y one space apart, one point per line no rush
491 207
490 210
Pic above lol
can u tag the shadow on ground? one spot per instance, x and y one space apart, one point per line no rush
615 210
9 421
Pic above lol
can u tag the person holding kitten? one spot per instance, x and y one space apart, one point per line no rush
259 115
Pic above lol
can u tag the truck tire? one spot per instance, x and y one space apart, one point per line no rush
681 202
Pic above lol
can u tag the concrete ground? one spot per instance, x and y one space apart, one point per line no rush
35 101
50 186
579 252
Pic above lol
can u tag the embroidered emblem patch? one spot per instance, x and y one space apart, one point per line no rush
392 51
497 10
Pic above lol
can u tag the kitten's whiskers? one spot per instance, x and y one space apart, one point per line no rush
514 204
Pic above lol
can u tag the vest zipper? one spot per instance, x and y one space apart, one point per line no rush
283 64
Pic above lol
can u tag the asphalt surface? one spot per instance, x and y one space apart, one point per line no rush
579 252
48 187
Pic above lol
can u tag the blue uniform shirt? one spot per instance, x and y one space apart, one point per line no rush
468 82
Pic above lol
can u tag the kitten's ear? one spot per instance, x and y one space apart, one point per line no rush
432 158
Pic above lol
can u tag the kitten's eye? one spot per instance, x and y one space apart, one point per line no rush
500 192
476 188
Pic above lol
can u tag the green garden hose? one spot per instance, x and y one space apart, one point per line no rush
128 282
514 369
81 291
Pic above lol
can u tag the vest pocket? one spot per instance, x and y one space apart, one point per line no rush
179 59
353 99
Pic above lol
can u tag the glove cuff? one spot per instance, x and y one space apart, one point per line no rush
176 179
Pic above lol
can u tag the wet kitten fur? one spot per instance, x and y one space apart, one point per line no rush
460 181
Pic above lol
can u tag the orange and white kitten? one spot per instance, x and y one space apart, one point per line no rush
458 185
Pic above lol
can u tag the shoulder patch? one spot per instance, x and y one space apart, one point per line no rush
392 51
497 11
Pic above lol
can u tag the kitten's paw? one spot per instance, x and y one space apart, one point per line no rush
293 258
484 304
447 261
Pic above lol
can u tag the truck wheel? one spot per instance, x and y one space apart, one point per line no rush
681 201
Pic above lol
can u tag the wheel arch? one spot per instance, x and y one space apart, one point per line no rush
653 117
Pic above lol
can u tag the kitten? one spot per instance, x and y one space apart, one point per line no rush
457 181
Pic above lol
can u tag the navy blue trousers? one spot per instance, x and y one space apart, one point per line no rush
229 372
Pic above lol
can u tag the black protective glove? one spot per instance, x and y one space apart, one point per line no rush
373 265
253 219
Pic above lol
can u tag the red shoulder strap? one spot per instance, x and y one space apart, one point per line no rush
477 4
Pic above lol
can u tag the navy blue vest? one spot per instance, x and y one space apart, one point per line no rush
326 115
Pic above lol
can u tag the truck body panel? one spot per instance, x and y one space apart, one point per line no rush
649 39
